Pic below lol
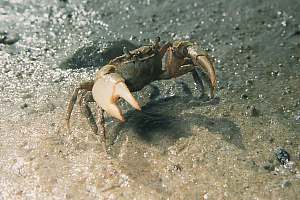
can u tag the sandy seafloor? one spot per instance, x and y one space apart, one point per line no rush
179 146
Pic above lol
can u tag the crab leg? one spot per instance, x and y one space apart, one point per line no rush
87 86
86 110
106 91
101 122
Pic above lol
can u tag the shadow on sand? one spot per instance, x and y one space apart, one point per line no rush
162 122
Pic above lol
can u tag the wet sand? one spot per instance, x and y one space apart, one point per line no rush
179 146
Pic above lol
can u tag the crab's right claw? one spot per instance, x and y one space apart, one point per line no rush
203 60
106 91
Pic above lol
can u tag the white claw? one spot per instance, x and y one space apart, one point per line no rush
106 91
123 91
115 111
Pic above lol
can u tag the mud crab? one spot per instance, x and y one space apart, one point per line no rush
134 70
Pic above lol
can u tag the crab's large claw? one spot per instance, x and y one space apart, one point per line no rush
106 91
200 58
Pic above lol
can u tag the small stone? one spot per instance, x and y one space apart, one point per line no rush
282 156
33 58
236 27
177 167
275 73
25 105
19 75
285 184
279 13
244 96
284 23
9 38
249 82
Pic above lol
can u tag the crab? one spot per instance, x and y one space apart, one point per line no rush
136 69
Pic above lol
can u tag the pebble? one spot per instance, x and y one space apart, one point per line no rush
249 82
275 73
9 38
282 156
244 96
177 167
236 27
24 105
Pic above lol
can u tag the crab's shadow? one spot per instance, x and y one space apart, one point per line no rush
163 121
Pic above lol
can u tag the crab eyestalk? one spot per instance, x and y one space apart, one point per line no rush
200 58
106 92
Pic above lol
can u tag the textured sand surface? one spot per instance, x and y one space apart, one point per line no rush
179 146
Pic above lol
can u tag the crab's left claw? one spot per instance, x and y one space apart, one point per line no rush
201 58
108 89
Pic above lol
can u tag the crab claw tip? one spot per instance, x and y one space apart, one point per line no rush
115 111
122 90
203 60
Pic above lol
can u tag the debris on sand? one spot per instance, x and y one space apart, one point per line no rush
282 156
9 38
